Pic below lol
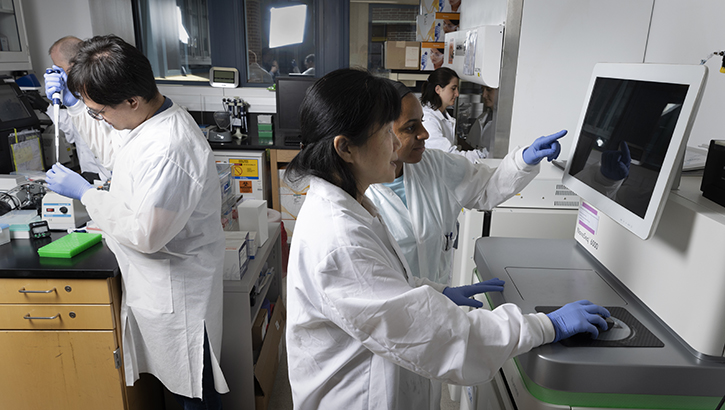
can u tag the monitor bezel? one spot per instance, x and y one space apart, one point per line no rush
692 75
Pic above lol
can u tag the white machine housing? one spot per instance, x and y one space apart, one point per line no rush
63 213
678 272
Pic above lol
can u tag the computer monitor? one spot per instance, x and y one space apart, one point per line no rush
290 93
631 138
16 114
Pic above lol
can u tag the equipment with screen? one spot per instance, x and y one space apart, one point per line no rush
631 139
290 93
225 77
16 114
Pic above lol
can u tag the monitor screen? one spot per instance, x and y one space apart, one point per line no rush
11 108
631 138
290 93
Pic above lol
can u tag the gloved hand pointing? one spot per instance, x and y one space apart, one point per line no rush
55 81
578 317
461 295
66 182
543 147
615 164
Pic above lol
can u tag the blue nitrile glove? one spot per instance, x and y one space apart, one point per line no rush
55 81
578 317
615 164
543 147
461 295
66 182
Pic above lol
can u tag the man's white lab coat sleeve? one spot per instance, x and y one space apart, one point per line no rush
95 133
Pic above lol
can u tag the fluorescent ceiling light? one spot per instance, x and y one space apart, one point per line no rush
287 25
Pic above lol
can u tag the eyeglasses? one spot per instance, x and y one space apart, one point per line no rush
96 115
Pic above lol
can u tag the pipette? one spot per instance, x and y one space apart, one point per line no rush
56 115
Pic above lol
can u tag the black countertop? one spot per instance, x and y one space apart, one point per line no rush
19 259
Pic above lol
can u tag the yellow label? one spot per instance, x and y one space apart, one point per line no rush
244 168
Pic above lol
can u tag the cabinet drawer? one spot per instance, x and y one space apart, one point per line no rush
69 291
56 317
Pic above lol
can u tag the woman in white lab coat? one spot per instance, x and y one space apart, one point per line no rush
422 205
161 217
363 333
439 92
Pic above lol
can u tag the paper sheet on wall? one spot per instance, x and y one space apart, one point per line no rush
469 60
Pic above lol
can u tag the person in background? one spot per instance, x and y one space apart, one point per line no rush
310 64
269 63
161 217
363 331
61 52
438 92
483 129
421 206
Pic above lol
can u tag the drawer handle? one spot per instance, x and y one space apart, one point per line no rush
28 317
36 291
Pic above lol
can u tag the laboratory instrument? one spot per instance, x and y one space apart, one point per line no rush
56 114
224 77
222 131
653 356
39 229
651 107
63 213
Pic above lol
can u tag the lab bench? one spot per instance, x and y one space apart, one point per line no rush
61 336
59 330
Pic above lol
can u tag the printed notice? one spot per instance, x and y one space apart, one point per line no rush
588 218
411 57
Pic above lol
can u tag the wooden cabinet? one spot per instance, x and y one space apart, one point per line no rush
276 158
60 344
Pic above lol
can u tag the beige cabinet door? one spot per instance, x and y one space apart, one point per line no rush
59 370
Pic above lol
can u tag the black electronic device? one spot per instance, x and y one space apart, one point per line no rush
39 229
16 114
713 177
290 93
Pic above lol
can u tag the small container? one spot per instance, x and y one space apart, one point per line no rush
4 234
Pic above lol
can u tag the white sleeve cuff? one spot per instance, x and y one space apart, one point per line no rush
549 331
519 159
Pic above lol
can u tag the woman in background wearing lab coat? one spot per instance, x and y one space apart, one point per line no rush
439 92
422 205
161 217
363 332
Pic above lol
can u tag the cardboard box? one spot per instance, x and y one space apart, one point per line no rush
440 6
286 187
290 205
252 214
265 369
434 26
431 55
259 328
235 254
402 55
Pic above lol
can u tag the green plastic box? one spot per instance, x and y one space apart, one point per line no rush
69 245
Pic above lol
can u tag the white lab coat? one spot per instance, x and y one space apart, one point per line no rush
365 334
442 134
86 159
161 218
436 189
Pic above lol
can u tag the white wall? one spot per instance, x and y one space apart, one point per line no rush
476 13
684 32
680 32
47 21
